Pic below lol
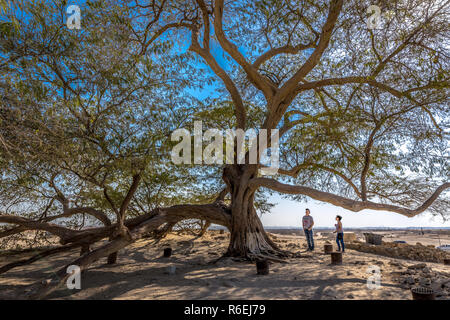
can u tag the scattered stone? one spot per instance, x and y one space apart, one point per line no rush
350 296
417 266
395 264
402 250
445 284
426 275
426 270
409 280
349 273
228 284
425 282
429 279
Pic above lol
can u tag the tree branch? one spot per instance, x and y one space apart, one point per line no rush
349 204
259 81
314 58
36 225
241 116
293 172
284 49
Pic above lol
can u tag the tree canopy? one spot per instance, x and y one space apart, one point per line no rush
86 115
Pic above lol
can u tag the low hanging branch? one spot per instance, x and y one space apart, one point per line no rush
61 232
27 224
349 204
216 213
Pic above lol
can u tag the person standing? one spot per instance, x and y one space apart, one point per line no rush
339 234
308 223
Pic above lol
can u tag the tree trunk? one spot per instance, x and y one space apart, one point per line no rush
248 238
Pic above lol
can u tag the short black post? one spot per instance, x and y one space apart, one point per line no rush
262 267
112 258
167 252
421 293
222 231
328 248
336 258
447 262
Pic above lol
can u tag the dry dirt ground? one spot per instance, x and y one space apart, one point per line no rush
142 273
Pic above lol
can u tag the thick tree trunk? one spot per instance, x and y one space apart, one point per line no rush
248 238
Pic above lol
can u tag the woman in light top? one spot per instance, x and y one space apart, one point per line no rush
340 234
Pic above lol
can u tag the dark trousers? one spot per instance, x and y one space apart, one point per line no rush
309 239
340 241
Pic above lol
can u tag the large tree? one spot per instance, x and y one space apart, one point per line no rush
362 113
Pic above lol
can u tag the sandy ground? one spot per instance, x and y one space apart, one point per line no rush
142 273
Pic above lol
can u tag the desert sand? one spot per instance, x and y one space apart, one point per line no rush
142 273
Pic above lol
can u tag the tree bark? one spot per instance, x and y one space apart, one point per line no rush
248 238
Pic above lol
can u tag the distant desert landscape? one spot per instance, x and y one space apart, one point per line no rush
200 272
